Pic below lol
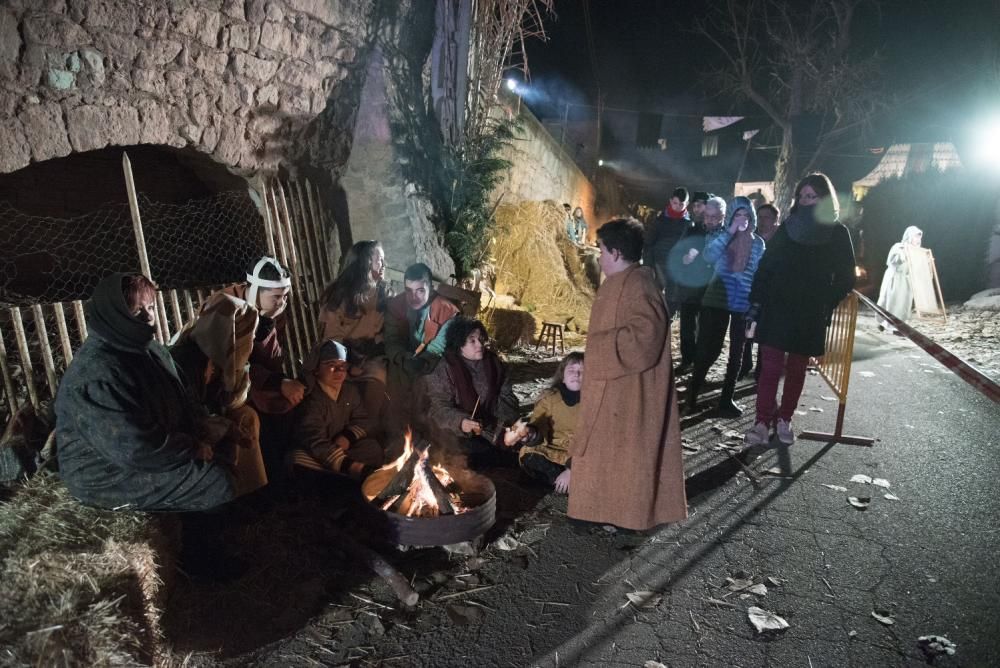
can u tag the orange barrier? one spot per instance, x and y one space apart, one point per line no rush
835 368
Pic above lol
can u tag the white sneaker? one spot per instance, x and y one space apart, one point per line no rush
785 433
759 435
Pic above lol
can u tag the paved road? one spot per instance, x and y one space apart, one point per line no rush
927 560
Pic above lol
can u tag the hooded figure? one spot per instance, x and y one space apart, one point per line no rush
896 294
126 432
735 253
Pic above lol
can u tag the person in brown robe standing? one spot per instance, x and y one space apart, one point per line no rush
626 449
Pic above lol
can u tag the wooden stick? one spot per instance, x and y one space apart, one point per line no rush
162 329
474 409
81 320
67 346
22 349
43 340
399 585
8 379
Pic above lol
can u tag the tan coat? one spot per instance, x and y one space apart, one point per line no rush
626 449
555 422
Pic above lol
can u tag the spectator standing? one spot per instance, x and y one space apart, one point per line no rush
736 253
807 270
896 294
667 229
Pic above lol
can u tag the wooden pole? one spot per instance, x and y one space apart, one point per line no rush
67 345
81 321
175 306
268 224
320 221
162 330
8 379
22 348
43 340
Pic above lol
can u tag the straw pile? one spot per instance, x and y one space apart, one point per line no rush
78 586
538 265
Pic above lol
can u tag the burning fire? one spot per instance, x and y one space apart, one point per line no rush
419 498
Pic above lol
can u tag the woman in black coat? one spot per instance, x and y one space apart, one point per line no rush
807 270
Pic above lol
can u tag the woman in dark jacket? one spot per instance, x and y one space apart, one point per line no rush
126 432
807 270
471 398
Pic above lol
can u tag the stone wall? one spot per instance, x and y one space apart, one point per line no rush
381 204
543 171
242 81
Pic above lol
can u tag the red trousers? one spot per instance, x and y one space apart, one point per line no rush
772 363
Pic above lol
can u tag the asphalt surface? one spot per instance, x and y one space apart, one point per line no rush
927 560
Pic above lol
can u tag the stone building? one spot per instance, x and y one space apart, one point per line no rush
206 96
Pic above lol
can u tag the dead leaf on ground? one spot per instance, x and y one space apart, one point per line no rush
738 584
758 589
775 582
815 409
688 447
464 614
881 482
866 374
861 478
801 413
653 664
836 488
891 497
610 528
885 619
507 543
826 398
860 502
763 620
776 470
644 599
934 645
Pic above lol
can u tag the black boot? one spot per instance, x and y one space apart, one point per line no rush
693 387
727 407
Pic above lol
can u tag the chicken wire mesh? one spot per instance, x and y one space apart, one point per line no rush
200 242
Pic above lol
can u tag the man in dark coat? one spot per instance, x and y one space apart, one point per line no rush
125 432
667 229
690 273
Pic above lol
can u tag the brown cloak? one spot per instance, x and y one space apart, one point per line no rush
626 448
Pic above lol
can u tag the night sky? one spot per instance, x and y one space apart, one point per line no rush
936 64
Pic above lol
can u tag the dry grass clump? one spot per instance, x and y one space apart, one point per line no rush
78 585
538 265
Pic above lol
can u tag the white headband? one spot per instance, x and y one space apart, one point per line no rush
255 279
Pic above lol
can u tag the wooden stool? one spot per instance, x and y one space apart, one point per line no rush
550 332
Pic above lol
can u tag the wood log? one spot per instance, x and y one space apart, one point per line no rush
399 482
445 506
399 585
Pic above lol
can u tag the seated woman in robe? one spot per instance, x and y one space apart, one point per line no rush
332 428
214 355
354 314
545 455
471 398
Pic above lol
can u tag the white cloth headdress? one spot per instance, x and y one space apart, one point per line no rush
255 282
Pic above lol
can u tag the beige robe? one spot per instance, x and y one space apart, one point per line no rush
626 449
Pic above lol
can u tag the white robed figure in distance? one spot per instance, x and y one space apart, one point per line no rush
896 294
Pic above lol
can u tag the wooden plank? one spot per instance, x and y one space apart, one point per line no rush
22 347
64 340
48 363
8 378
81 321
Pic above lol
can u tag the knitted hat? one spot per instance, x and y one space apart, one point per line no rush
332 350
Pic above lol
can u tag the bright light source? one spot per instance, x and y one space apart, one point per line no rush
600 163
987 143
512 85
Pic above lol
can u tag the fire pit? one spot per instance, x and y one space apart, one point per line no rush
428 504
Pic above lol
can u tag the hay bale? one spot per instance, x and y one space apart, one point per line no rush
509 327
537 264
78 585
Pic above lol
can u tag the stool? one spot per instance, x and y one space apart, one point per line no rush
550 332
